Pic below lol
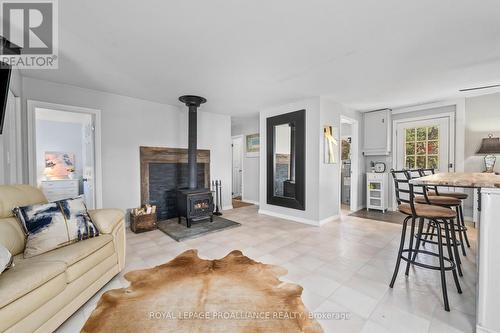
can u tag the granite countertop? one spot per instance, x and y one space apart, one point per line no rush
460 179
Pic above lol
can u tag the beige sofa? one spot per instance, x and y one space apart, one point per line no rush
38 294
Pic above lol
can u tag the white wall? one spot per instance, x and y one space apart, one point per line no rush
128 123
246 126
330 178
322 180
482 117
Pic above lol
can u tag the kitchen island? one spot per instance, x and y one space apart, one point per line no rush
488 246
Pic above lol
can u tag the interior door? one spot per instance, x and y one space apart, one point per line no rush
88 176
237 166
424 144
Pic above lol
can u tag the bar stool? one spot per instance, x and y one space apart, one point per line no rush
442 201
439 217
460 225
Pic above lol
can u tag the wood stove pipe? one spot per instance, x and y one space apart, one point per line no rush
192 102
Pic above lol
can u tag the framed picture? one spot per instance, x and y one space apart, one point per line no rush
330 144
253 145
59 164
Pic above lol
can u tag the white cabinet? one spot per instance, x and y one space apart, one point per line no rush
378 132
60 189
377 191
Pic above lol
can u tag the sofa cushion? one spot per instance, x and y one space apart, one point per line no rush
12 196
35 300
26 276
82 256
76 251
86 264
12 235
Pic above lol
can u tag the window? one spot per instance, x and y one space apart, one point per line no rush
422 147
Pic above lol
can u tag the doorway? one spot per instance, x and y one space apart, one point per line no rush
237 168
349 165
64 152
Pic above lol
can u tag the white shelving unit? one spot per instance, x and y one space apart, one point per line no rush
377 192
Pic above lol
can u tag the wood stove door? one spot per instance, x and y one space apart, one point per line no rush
200 205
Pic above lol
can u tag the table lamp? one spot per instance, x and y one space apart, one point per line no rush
489 146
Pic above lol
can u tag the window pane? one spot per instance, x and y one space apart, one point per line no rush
410 162
421 148
433 133
421 133
433 162
410 148
410 134
433 148
420 162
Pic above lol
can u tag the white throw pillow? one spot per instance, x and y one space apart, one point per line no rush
5 258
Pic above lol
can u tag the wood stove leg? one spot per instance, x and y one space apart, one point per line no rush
211 218
179 220
188 222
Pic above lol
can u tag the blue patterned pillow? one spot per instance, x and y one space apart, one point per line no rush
54 225
45 226
80 225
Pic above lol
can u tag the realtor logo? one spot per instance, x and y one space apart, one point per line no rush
33 27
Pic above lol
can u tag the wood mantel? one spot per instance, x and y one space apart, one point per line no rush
150 155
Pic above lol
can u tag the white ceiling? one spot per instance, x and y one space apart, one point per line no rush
243 55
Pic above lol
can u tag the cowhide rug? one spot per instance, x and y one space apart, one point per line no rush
188 294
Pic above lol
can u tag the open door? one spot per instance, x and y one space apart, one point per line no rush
237 166
88 169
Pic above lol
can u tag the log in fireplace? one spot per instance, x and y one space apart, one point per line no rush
193 203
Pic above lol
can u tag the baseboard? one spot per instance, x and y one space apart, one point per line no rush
227 207
481 329
329 219
250 201
291 218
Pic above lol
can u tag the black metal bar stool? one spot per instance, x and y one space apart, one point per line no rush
460 225
421 197
439 217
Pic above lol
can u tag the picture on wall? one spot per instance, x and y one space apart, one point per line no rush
59 164
330 144
253 145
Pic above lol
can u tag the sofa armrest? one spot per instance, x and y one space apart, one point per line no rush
106 219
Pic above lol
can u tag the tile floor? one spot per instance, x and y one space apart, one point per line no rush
344 266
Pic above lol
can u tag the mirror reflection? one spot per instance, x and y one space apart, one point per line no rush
284 160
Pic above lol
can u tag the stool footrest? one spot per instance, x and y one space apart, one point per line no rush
420 264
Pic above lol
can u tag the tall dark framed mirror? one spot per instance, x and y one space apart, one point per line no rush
286 160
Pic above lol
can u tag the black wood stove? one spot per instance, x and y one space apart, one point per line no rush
194 203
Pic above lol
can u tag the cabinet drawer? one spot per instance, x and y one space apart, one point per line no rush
60 184
375 176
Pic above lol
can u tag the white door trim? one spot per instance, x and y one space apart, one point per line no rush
32 105
355 173
459 128
452 135
242 153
